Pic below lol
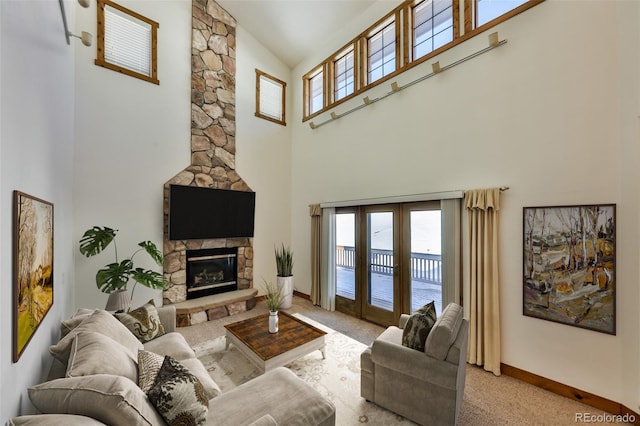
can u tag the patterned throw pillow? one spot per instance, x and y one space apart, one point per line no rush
178 395
149 365
143 322
418 327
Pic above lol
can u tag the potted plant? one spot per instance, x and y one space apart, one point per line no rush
116 276
284 267
273 298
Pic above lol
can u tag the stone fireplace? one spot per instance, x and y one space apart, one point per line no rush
213 149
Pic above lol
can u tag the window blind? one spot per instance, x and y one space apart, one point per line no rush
270 98
127 41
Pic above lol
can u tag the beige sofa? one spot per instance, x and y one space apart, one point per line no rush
425 387
87 392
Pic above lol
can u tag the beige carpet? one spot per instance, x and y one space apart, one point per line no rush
488 400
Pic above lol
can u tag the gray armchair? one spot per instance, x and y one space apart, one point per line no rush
425 387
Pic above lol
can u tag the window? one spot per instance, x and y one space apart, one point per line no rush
412 33
316 89
127 42
381 53
432 26
344 76
270 98
488 10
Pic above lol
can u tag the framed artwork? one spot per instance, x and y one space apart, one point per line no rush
33 267
569 265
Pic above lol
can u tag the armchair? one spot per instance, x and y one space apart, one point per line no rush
425 387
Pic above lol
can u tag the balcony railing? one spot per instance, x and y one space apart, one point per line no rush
424 267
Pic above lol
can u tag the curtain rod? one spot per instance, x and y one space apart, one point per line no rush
430 196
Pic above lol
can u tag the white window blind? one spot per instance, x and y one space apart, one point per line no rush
127 41
271 98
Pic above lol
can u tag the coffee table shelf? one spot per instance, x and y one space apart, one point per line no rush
294 339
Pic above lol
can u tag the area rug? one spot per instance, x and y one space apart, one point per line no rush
337 377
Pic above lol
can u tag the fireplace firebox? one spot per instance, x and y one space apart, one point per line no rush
211 271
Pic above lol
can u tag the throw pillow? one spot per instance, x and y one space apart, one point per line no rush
101 322
418 327
95 353
143 322
149 365
113 400
178 395
69 324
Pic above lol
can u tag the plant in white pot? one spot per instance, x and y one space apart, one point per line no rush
284 266
273 298
114 277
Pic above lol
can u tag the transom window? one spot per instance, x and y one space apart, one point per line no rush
316 89
409 35
432 26
344 76
381 52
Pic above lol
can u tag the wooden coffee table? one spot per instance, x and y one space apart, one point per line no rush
294 339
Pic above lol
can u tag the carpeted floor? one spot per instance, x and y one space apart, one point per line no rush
489 400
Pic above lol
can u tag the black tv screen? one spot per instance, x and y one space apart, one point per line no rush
197 213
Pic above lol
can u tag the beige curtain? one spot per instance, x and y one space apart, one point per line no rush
316 249
484 323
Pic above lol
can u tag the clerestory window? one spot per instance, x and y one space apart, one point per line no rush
409 35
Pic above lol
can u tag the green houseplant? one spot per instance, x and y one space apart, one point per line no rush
273 298
284 267
117 275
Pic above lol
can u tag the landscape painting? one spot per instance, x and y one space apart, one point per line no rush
33 267
569 265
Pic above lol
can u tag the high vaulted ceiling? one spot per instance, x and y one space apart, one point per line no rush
290 29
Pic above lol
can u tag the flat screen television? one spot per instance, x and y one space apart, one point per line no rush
197 213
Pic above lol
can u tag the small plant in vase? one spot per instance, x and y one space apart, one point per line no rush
273 298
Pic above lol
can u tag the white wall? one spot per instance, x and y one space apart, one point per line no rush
541 114
36 157
263 155
131 137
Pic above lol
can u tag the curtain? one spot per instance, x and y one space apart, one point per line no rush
482 207
451 222
328 259
316 250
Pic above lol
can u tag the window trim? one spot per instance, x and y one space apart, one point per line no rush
462 31
258 112
100 60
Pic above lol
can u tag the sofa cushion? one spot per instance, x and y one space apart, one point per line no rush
95 353
113 400
69 324
143 322
418 326
178 395
444 332
54 420
172 344
279 393
101 322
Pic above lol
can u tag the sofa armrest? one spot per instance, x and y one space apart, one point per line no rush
265 420
167 314
387 351
403 320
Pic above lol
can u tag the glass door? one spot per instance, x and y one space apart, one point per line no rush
381 285
347 272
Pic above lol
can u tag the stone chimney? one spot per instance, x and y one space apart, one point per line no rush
213 146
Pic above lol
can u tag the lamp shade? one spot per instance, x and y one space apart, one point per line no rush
119 300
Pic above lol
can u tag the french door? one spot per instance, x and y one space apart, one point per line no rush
388 260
